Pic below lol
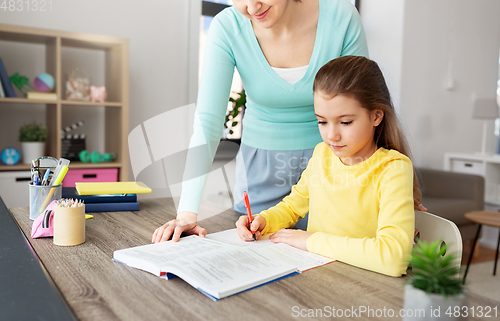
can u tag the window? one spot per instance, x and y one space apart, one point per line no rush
208 10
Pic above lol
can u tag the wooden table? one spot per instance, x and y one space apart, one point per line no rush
98 288
483 218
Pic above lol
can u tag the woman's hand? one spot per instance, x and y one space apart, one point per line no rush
295 238
184 223
244 230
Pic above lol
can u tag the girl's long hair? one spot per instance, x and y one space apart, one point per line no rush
361 78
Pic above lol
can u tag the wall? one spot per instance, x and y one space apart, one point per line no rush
445 42
383 21
450 54
163 53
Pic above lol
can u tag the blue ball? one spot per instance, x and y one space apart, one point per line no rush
10 156
44 83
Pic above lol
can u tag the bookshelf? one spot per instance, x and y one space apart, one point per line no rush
112 62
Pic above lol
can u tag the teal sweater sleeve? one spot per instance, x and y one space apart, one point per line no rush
278 115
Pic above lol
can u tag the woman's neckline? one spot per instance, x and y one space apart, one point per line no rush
270 69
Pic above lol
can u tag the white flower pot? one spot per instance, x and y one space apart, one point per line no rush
418 305
32 151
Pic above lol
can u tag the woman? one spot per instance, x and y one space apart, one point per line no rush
277 47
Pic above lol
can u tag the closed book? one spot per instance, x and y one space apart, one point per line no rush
33 95
111 207
96 188
70 192
7 86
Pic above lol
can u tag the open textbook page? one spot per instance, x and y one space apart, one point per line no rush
304 260
218 269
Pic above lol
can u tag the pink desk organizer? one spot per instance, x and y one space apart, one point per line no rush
90 175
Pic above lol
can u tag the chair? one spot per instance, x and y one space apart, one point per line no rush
450 195
430 227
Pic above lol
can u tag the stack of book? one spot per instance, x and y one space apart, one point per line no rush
104 202
107 196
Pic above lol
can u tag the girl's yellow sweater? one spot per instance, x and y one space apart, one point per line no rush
362 214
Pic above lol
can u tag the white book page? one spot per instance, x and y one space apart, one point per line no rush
218 268
304 260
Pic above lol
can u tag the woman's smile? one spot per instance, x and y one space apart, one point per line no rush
262 15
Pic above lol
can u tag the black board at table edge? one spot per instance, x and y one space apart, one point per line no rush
26 290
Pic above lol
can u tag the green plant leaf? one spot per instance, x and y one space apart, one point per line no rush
433 271
32 133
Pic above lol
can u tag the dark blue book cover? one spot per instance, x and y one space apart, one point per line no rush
70 192
7 86
111 207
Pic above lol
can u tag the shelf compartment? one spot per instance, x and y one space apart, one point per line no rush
33 50
102 64
27 101
22 167
18 167
24 36
63 102
97 165
88 103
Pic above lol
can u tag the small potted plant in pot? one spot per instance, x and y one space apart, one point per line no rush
32 137
434 290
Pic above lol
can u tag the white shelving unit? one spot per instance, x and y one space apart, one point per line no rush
487 166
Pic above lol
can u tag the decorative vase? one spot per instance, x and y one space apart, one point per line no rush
32 151
419 305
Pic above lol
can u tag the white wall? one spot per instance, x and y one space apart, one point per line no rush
445 41
453 42
163 51
383 21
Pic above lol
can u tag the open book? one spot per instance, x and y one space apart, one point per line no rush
217 265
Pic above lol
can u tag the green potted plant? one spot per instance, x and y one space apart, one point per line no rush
32 137
434 290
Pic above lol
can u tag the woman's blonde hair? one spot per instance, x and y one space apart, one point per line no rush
361 78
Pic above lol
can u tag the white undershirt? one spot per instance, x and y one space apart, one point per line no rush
291 75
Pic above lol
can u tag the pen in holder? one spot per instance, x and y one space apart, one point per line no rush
69 223
41 196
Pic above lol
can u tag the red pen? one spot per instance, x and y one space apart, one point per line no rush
249 213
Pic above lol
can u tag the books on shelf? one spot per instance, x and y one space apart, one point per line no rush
96 188
221 264
7 85
41 96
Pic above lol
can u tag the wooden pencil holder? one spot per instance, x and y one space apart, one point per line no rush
69 225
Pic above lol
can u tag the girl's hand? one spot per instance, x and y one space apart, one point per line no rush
421 208
184 223
244 230
295 238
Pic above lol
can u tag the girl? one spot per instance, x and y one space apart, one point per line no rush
277 47
359 186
